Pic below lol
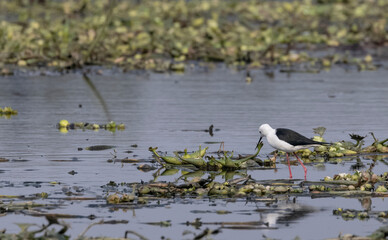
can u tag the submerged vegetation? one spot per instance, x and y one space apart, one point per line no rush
164 35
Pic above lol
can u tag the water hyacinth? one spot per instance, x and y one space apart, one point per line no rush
111 126
228 163
202 187
197 154
198 162
377 146
161 35
197 159
320 131
8 111
358 139
381 188
358 181
166 159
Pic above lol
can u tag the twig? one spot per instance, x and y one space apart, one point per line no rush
88 227
371 133
207 232
135 233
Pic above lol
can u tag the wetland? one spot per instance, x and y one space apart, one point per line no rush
109 178
139 119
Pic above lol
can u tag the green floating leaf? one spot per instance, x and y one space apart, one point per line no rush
198 162
166 159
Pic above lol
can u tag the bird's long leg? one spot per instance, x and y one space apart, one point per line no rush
289 167
221 146
301 163
273 159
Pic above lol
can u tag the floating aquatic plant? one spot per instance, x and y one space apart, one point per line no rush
197 159
162 35
227 162
198 162
7 112
166 159
358 181
65 125
240 187
349 214
197 154
377 146
320 131
358 139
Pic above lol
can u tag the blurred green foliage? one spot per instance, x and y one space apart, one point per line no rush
146 34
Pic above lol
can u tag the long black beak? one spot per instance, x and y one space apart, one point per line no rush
257 145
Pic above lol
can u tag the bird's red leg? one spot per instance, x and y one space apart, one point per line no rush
289 167
304 168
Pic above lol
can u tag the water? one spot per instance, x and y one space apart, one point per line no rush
166 110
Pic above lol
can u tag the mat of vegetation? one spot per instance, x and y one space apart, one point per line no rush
138 195
163 35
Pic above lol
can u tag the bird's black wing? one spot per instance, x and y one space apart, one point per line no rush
293 137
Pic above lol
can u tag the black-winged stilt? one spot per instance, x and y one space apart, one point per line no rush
288 141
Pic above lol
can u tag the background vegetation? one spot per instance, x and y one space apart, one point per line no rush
162 35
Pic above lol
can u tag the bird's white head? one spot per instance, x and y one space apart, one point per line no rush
265 129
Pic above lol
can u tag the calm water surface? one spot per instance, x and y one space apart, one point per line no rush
166 110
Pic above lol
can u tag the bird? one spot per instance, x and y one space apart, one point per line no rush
289 141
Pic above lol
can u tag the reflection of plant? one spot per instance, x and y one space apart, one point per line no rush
25 233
